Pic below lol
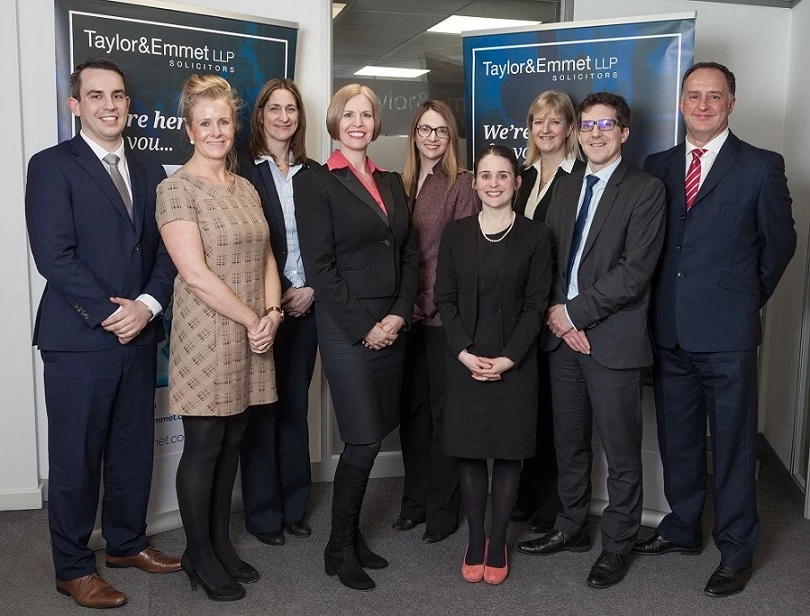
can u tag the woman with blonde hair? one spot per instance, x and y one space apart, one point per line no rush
553 152
439 190
354 227
227 307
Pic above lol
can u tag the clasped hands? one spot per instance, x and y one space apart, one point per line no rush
128 320
262 335
561 326
485 368
384 333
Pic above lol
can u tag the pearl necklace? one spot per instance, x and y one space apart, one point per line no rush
505 233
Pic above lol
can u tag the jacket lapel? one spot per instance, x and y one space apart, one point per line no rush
570 199
529 176
137 179
268 187
348 179
604 206
726 159
95 169
384 186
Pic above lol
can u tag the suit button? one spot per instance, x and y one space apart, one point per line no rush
678 247
387 242
683 217
138 248
680 275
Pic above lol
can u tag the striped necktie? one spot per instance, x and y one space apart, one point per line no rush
692 184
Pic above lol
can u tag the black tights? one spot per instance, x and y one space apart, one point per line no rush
474 477
205 478
361 456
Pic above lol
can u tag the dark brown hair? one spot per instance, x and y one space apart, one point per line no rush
256 144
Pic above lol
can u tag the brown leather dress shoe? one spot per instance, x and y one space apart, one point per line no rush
150 560
92 591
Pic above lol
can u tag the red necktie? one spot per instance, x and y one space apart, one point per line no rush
693 177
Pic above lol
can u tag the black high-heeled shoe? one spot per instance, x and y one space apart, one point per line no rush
242 573
231 591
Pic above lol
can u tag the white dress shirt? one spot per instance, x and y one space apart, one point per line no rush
709 156
537 192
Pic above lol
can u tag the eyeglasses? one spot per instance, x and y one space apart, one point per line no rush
442 132
586 126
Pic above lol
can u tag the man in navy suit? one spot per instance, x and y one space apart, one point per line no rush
90 210
729 238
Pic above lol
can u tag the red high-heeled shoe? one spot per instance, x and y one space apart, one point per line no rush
474 573
496 575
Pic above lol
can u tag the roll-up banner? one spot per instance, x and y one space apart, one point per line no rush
643 59
158 45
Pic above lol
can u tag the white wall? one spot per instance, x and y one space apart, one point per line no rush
19 481
755 43
781 350
27 29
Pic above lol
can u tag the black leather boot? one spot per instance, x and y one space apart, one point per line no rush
339 556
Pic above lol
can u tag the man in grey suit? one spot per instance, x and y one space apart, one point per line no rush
607 226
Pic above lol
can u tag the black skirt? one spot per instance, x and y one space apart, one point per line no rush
365 384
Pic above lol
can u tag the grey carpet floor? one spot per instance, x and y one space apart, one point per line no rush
425 579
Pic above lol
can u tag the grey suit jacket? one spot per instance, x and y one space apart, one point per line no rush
618 260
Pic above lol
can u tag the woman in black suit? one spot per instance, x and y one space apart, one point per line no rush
276 475
359 256
492 286
553 152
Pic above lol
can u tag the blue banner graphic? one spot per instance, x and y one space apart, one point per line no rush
642 60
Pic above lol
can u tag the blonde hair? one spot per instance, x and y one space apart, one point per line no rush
450 164
210 87
558 102
338 104
256 144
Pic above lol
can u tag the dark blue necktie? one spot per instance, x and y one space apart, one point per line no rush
579 225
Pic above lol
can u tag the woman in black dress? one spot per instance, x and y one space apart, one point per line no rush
359 256
492 285
552 152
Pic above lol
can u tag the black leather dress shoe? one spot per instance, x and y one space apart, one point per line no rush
434 536
520 515
655 545
556 541
609 569
274 538
727 580
298 529
404 524
538 526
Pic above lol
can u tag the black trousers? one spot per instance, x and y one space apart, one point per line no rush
431 477
100 406
276 476
689 387
585 394
538 477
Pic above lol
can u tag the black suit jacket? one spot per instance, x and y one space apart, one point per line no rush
262 179
529 177
87 248
618 261
524 284
353 251
721 261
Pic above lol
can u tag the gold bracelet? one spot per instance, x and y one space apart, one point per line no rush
275 309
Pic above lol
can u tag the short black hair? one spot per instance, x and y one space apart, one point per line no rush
609 99
730 80
100 63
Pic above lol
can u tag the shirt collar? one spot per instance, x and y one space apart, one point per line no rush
604 174
339 161
270 161
566 165
712 146
100 151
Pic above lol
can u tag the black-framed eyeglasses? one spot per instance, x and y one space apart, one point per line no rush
423 130
586 126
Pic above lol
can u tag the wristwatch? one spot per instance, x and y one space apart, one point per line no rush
275 309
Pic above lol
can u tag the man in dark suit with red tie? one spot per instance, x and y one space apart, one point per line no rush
90 210
729 238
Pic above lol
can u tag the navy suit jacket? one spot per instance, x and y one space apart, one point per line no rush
618 261
262 179
87 248
721 261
